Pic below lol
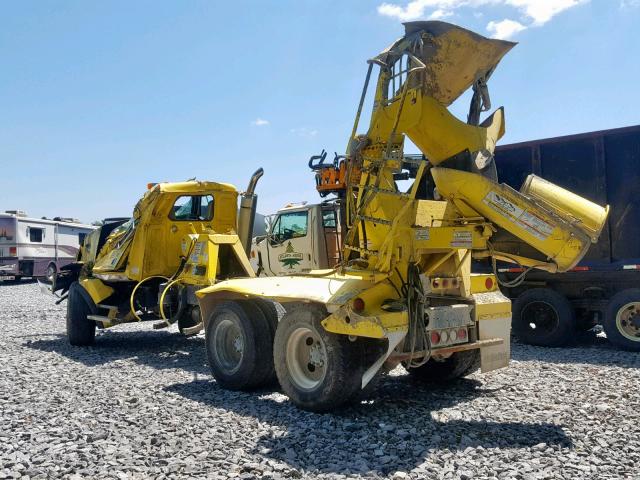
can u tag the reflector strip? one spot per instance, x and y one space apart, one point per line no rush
631 267
580 269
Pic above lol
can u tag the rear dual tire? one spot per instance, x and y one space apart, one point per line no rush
239 346
318 371
458 365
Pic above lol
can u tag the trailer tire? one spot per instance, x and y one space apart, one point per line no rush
458 365
544 317
239 349
319 371
81 331
622 319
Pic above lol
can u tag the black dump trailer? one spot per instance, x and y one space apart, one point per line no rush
604 166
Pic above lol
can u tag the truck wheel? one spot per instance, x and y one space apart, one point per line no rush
622 319
319 371
458 365
270 312
544 317
80 330
50 273
239 349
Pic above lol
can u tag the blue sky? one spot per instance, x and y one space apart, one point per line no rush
99 98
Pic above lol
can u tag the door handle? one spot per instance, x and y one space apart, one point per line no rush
174 229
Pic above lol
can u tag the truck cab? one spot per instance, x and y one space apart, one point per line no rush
299 238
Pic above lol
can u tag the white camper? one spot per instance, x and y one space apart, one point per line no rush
34 247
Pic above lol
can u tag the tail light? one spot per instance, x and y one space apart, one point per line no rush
13 252
435 338
462 334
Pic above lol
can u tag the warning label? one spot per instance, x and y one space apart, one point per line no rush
462 239
422 234
525 219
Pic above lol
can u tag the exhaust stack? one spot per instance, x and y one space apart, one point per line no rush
247 214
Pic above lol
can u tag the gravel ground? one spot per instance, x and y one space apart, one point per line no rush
142 404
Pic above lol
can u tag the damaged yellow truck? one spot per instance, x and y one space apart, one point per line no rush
148 268
404 292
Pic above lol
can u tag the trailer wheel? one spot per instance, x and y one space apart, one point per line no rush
458 365
80 330
50 273
622 319
239 349
319 371
542 316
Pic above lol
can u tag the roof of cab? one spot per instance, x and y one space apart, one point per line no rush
194 187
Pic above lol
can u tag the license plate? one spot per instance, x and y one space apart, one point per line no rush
7 278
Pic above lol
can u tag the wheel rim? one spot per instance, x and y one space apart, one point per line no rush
50 273
628 321
306 358
228 343
540 317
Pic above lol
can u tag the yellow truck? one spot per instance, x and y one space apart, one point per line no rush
404 291
182 237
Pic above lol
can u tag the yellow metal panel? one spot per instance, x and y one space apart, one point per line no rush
479 283
548 233
283 289
97 290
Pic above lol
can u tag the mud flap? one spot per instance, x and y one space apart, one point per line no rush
493 314
394 339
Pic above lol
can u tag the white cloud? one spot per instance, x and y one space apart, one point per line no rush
534 12
304 132
440 14
260 122
504 29
541 11
629 3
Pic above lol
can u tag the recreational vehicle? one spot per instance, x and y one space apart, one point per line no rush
34 247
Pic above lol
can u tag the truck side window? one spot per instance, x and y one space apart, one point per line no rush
36 234
329 219
192 208
290 225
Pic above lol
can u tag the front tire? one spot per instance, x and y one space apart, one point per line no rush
80 330
458 365
239 348
319 371
544 317
622 320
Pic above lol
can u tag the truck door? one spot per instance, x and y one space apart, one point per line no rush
289 248
187 210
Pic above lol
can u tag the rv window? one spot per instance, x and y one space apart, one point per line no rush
197 207
36 234
81 237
